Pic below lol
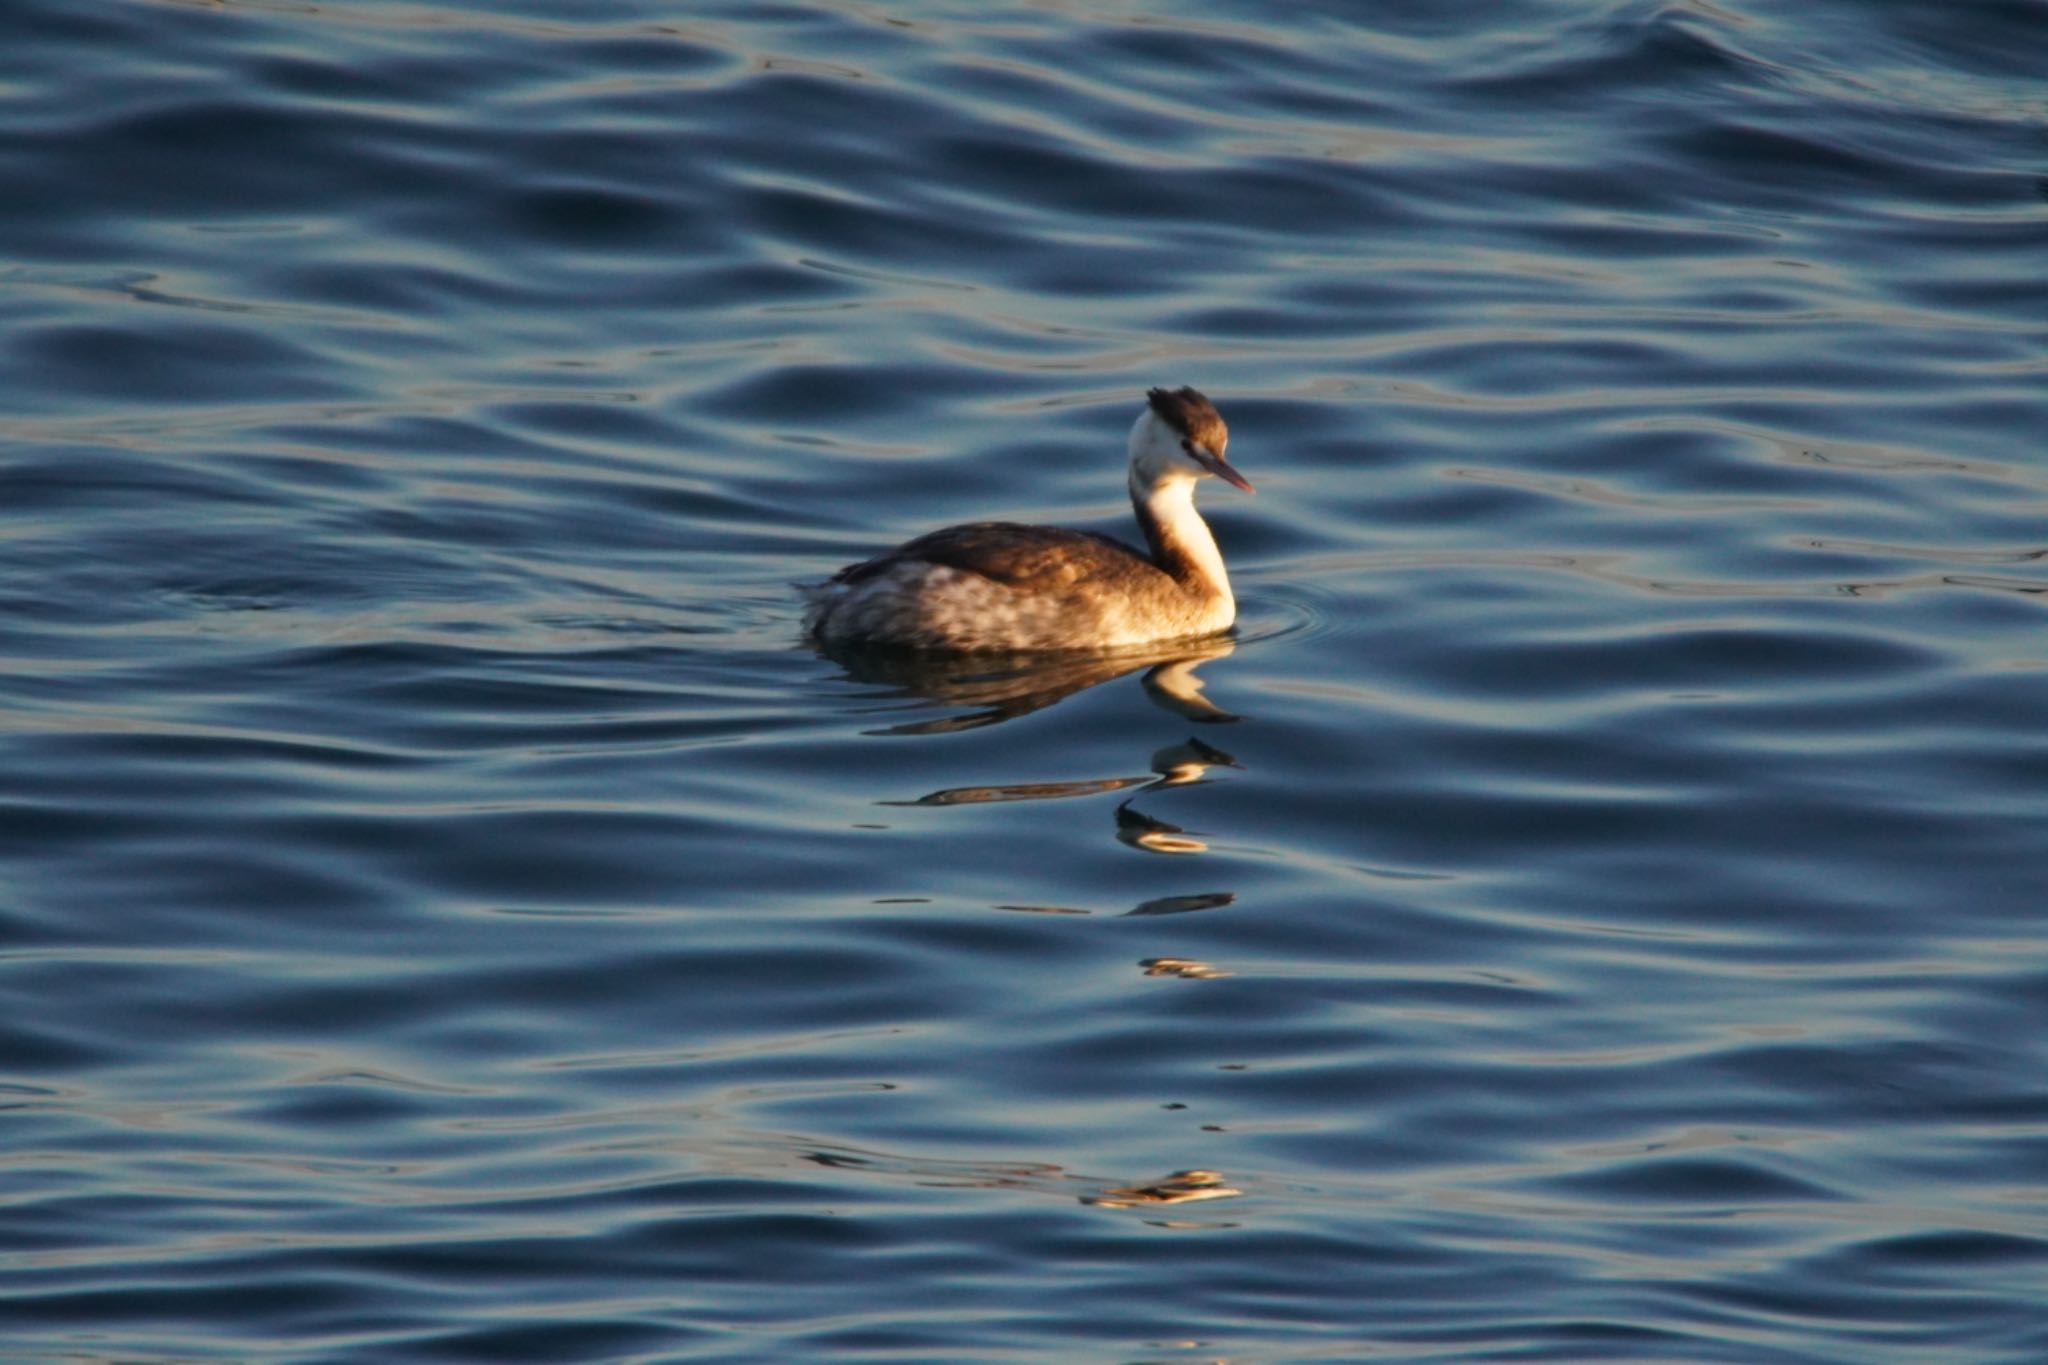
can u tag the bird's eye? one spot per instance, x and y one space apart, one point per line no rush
1188 446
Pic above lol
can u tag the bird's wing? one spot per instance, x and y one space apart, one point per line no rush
1011 554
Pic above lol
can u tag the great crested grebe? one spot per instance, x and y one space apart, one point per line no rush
997 585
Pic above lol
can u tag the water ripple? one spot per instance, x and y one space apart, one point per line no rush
1586 912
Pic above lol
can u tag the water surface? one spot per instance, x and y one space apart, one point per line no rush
1591 910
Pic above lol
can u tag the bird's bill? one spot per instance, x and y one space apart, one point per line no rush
1220 467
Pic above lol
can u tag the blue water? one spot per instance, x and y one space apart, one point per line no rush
1593 910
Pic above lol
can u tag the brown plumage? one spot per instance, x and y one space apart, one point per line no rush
1190 413
1046 558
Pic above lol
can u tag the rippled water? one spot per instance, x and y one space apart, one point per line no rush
1592 910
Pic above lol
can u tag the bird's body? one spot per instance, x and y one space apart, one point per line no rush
995 585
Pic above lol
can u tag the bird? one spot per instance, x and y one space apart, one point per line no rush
1004 586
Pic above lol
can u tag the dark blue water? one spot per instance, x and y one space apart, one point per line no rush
1594 910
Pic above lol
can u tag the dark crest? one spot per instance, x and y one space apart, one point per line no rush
1190 413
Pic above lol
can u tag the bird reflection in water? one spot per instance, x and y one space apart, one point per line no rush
1177 765
1182 1187
996 688
1187 968
1161 905
1140 830
1000 687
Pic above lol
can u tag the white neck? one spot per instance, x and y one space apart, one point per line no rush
1180 540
